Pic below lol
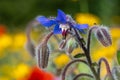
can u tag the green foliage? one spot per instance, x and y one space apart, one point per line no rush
83 68
20 12
118 56
9 62
79 55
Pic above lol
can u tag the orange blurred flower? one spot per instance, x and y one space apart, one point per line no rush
38 74
2 29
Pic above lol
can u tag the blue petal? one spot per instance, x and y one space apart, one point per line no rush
81 26
82 31
44 21
57 30
61 16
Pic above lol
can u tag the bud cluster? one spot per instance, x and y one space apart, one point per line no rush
71 33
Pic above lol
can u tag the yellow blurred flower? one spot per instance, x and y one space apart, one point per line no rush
115 32
21 71
85 18
5 41
61 60
107 52
76 51
4 78
19 40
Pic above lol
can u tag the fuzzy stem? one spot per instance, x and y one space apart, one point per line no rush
81 75
89 38
47 37
55 36
28 29
69 64
79 38
30 46
107 67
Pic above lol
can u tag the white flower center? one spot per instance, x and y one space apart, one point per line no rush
64 27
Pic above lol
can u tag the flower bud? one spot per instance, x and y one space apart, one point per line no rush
62 44
42 54
71 45
30 48
103 36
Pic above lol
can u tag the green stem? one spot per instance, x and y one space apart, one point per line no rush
107 67
81 75
87 54
69 64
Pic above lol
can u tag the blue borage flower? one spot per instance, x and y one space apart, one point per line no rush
62 23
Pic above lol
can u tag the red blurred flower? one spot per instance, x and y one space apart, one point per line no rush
38 74
2 29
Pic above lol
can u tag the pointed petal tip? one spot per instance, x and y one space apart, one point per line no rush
59 10
85 25
39 17
81 26
45 21
61 16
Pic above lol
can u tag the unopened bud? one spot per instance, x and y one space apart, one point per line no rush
30 48
103 35
71 45
62 44
42 54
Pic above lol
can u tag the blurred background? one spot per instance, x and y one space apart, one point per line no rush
17 64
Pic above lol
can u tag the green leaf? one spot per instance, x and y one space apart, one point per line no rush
118 56
83 68
94 64
79 55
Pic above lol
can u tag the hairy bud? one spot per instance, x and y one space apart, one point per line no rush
62 44
42 54
71 45
103 35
